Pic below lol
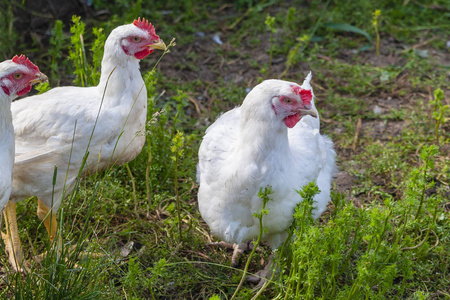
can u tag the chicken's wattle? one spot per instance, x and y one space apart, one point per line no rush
24 91
142 54
291 120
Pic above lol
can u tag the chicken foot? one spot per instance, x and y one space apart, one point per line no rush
238 249
262 275
48 217
11 238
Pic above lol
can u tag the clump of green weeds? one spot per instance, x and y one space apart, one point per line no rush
139 282
8 35
264 195
375 18
56 41
439 111
177 149
86 74
362 253
270 24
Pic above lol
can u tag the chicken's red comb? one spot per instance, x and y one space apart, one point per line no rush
23 60
305 95
145 25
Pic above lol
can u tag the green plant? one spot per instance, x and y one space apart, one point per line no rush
97 55
8 35
86 74
263 194
77 52
376 15
56 40
42 87
177 151
438 111
270 22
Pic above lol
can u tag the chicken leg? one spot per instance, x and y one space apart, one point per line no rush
11 238
46 215
238 249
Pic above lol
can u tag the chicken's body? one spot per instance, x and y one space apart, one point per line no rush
60 136
56 129
251 147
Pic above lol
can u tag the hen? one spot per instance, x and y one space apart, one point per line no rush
16 78
272 139
57 128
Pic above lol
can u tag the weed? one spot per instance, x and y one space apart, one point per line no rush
376 15
438 111
77 53
177 151
56 41
8 35
86 74
270 21
263 194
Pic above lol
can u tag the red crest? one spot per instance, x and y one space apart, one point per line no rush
145 25
23 60
305 95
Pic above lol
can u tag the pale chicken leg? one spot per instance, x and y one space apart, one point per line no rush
11 238
46 215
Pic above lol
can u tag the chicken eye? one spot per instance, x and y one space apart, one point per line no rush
18 75
287 100
136 39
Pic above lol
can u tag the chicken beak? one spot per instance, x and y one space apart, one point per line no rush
159 45
310 112
40 77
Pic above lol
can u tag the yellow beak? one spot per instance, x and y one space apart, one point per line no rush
159 45
308 112
40 77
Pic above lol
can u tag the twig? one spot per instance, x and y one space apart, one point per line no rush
133 184
358 129
423 241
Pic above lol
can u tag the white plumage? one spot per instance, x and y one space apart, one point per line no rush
253 146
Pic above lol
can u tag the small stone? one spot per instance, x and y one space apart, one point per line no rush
377 110
216 39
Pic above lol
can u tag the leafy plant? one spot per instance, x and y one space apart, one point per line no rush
376 15
8 35
263 194
86 74
177 151
56 40
77 52
270 22
438 111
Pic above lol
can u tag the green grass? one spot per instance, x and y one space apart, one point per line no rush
384 235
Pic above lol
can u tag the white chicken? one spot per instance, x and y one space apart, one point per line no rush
272 139
57 128
17 75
